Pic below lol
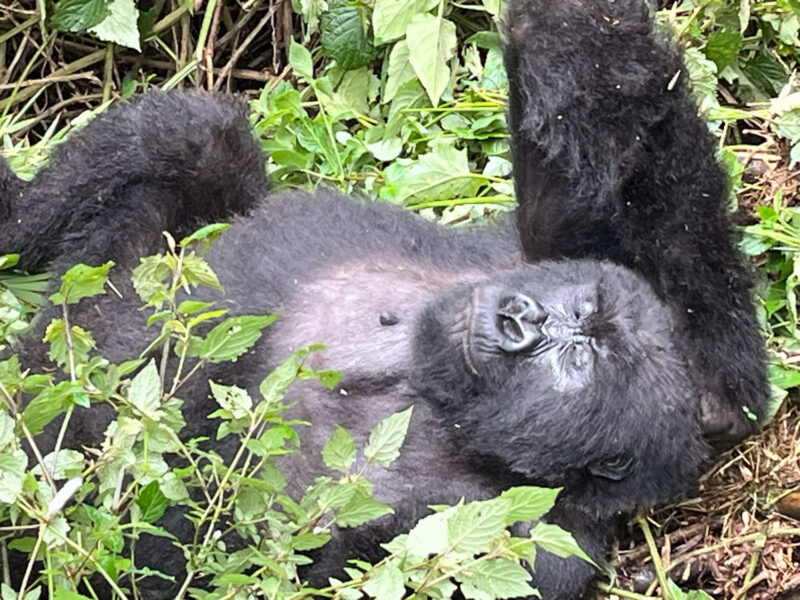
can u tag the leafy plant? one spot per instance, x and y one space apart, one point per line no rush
83 513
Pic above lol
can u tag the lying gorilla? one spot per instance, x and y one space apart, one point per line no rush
578 373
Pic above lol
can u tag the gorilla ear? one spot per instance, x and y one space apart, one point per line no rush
616 468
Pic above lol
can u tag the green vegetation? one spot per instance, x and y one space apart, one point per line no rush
401 100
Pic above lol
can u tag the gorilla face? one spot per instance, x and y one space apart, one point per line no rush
505 359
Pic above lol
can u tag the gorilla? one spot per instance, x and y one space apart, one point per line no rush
604 342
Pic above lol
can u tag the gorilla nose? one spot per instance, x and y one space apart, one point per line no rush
519 323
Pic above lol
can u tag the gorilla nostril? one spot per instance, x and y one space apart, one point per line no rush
518 322
520 306
585 308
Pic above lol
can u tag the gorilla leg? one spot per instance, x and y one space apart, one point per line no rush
611 161
163 162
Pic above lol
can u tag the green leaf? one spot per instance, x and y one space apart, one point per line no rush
399 70
340 451
6 429
50 403
149 278
678 594
64 465
207 235
390 18
273 387
121 26
198 272
473 526
528 502
233 337
344 35
360 509
441 174
431 43
189 307
723 47
555 540
8 260
498 578
12 474
386 583
783 378
63 593
152 502
300 60
429 535
81 281
55 335
78 15
309 541
385 440
145 391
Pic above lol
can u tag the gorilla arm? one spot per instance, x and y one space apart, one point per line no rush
611 161
163 162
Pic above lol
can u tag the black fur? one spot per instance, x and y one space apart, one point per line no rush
568 373
610 161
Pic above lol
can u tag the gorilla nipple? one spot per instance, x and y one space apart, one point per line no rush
388 319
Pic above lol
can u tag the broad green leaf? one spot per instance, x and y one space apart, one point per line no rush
431 43
78 15
81 281
723 47
385 440
678 594
232 398
198 272
152 502
64 465
50 403
120 25
309 541
360 509
233 337
441 174
300 61
492 7
390 18
149 278
12 473
339 451
55 335
498 578
6 429
188 307
8 260
63 593
344 35
399 70
273 387
429 535
473 526
145 391
528 502
386 583
555 540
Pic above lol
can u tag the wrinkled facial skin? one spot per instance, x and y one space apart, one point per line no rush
553 370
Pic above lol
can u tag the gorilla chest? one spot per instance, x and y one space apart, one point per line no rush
364 312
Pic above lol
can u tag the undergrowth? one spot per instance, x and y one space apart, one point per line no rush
403 101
